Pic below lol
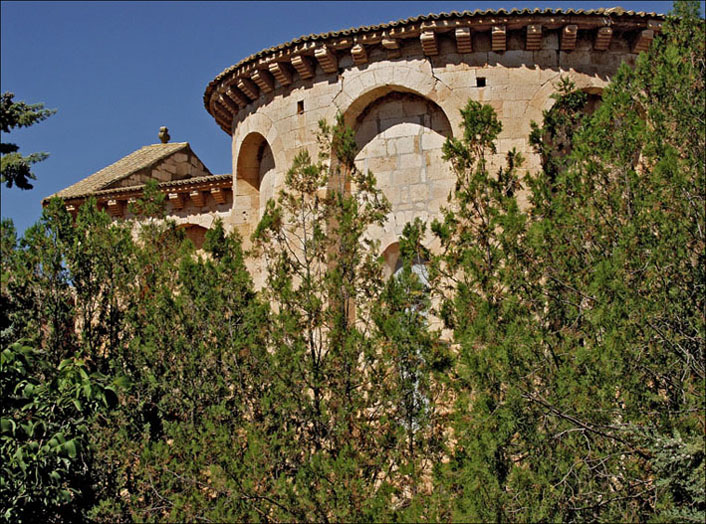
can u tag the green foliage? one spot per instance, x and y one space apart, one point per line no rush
16 168
580 319
352 401
45 444
146 380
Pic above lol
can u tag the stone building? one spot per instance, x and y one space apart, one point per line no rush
399 85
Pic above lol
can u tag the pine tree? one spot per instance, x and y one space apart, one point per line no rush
16 169
580 321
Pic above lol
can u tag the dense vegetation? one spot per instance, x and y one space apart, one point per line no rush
145 380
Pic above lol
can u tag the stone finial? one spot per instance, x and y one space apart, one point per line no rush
164 134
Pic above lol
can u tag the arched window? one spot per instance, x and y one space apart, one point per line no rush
410 360
195 233
419 270
255 171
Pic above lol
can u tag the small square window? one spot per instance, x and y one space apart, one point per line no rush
300 107
480 81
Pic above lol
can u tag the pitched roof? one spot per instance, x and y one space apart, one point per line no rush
144 157
170 184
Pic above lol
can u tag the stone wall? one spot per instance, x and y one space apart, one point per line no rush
404 101
179 166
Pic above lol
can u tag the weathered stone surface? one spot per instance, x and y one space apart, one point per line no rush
401 88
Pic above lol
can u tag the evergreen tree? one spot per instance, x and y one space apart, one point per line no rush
580 322
345 423
16 169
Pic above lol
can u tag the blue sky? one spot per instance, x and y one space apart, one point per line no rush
116 72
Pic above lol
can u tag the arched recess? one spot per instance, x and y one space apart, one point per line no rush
594 98
255 171
195 233
400 135
391 258
393 264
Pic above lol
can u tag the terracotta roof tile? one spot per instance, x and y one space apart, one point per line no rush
126 166
171 184
613 12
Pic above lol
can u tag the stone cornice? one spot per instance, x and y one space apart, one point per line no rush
271 69
182 187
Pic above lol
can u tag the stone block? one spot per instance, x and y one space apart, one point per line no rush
404 177
546 58
406 161
403 145
161 176
431 141
515 58
183 169
374 148
440 190
550 41
382 164
521 92
418 192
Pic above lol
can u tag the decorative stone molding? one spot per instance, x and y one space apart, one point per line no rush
115 208
264 79
327 59
603 38
392 46
197 198
568 37
178 193
177 200
248 80
463 40
498 38
219 195
304 66
281 72
429 43
534 37
249 88
359 55
643 41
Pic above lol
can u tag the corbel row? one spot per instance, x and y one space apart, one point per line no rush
116 207
248 82
197 197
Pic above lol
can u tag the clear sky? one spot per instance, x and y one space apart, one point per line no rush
116 72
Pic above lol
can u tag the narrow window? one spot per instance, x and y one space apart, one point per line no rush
300 107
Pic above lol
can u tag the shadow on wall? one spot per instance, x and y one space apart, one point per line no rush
255 174
400 136
195 233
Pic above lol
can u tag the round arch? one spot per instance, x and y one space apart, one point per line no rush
400 135
360 88
194 232
255 170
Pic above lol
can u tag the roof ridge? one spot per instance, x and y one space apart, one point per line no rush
100 179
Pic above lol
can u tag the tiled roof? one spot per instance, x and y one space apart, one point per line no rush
171 184
612 12
142 158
